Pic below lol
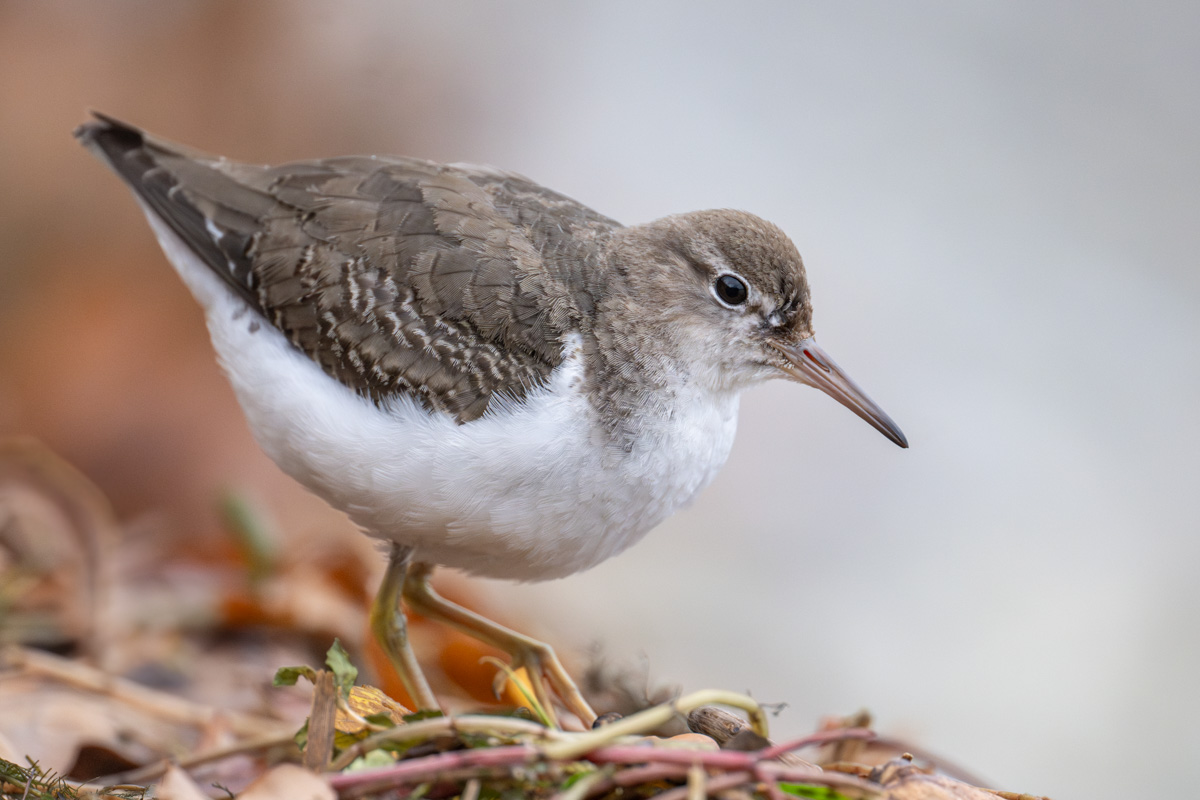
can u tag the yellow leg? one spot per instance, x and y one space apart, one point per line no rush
536 657
391 628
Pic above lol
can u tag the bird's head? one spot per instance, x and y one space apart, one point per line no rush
730 290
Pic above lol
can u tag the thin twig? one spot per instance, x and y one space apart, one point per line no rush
813 739
730 760
937 762
568 749
773 790
698 784
25 461
867 735
322 721
588 786
637 754
148 773
159 704
418 770
649 773
605 780
773 771
715 784
441 726
635 776
663 763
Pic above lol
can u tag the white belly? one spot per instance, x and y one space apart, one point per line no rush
530 491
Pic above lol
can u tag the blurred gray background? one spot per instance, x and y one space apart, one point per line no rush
998 206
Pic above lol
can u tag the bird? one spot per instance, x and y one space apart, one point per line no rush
482 373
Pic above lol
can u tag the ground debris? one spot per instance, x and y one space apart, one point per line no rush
508 756
106 695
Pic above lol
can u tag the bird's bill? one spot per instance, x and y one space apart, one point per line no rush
808 363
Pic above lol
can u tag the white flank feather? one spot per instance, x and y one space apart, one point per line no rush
530 491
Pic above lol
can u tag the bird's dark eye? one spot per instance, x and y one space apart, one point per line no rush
731 289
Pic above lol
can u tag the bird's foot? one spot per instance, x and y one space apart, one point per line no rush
545 672
537 658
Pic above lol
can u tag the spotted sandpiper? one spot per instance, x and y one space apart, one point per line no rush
478 370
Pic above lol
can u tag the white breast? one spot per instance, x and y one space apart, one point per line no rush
531 491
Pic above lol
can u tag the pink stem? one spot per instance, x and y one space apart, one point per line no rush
632 754
824 737
648 774
660 764
420 769
771 771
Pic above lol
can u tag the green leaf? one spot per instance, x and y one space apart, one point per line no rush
382 719
343 740
575 777
301 737
425 713
375 758
287 676
344 673
811 791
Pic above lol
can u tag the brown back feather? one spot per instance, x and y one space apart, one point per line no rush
397 276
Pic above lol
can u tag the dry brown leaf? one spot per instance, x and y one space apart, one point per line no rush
7 751
902 780
178 785
366 701
52 723
934 787
301 597
288 782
